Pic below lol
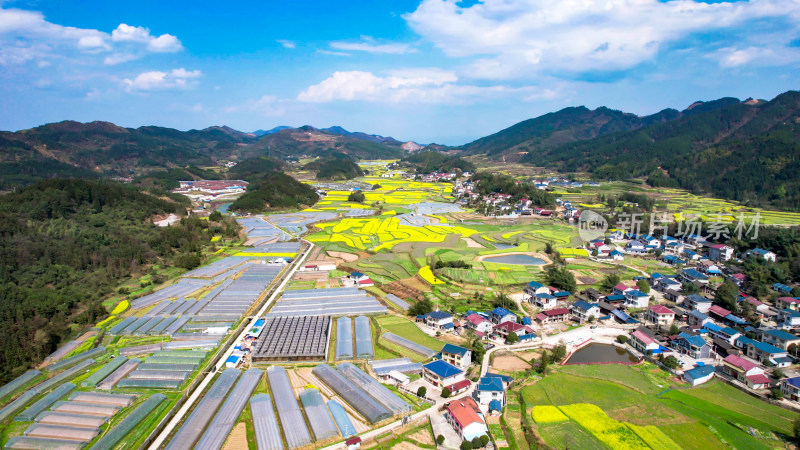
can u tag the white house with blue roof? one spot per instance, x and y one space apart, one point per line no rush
544 301
490 388
697 302
699 375
534 287
768 353
439 320
779 338
791 388
789 318
500 315
760 252
583 310
635 298
441 373
456 355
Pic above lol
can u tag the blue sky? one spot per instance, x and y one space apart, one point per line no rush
433 70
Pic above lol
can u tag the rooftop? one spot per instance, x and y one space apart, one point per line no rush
442 369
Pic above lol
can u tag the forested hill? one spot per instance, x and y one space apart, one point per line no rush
309 141
65 245
746 151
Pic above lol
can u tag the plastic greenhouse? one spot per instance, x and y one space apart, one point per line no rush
352 394
268 435
292 420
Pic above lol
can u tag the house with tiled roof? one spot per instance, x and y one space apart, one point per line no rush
791 388
441 373
767 353
466 418
720 252
779 338
513 327
643 342
745 371
718 311
457 355
556 315
660 315
787 303
478 323
459 387
621 288
583 311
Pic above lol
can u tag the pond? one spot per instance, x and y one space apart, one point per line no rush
522 260
223 208
601 354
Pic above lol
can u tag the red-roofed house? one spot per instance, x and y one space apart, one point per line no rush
478 323
738 278
719 252
553 316
461 386
718 311
787 303
643 342
366 283
660 315
621 288
512 327
745 371
465 417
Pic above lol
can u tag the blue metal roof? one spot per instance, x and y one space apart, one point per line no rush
495 405
696 341
729 331
700 372
795 381
623 316
698 314
543 295
584 305
501 312
711 326
561 294
767 348
505 378
526 320
535 284
698 298
442 369
438 315
454 349
781 287
694 274
780 334
615 297
490 384
636 293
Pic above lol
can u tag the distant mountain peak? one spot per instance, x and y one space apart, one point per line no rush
261 132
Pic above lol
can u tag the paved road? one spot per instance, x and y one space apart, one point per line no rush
196 394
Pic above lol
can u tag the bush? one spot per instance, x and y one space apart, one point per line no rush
484 440
622 339
357 197
446 392
476 442
440 439
466 445
776 393
422 391
778 373
512 338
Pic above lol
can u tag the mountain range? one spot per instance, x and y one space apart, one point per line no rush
741 150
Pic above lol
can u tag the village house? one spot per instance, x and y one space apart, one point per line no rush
660 315
583 311
500 315
725 334
534 287
465 418
457 356
505 328
490 388
760 252
620 289
544 301
787 303
697 302
699 375
791 388
692 275
642 342
789 318
557 315
439 320
664 284
479 324
459 387
745 371
441 373
635 298
720 252
694 346
767 353
779 338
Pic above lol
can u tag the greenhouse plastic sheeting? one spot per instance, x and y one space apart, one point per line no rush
76 359
190 353
111 438
174 306
148 384
364 348
374 388
117 329
405 343
367 406
268 435
343 422
44 402
140 349
211 343
160 307
344 338
62 432
397 301
220 428
194 426
18 382
196 306
138 323
103 372
318 416
120 400
33 443
158 375
92 409
402 365
292 421
149 324
173 360
177 325
184 307
123 371
159 329
69 419
175 367
63 376
18 404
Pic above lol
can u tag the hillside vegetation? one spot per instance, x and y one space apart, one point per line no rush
337 168
273 192
65 245
432 161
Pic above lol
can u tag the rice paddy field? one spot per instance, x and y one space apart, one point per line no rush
640 407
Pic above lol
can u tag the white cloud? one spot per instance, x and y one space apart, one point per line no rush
27 35
403 86
330 52
756 56
286 43
522 38
370 45
155 80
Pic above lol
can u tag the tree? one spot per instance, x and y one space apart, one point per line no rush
215 216
673 329
484 440
422 391
548 248
357 197
440 439
543 363
512 338
376 186
778 374
609 282
559 352
643 286
446 392
671 362
690 288
622 339
561 278
792 349
423 306
504 301
466 445
726 294
796 428
776 393
476 442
